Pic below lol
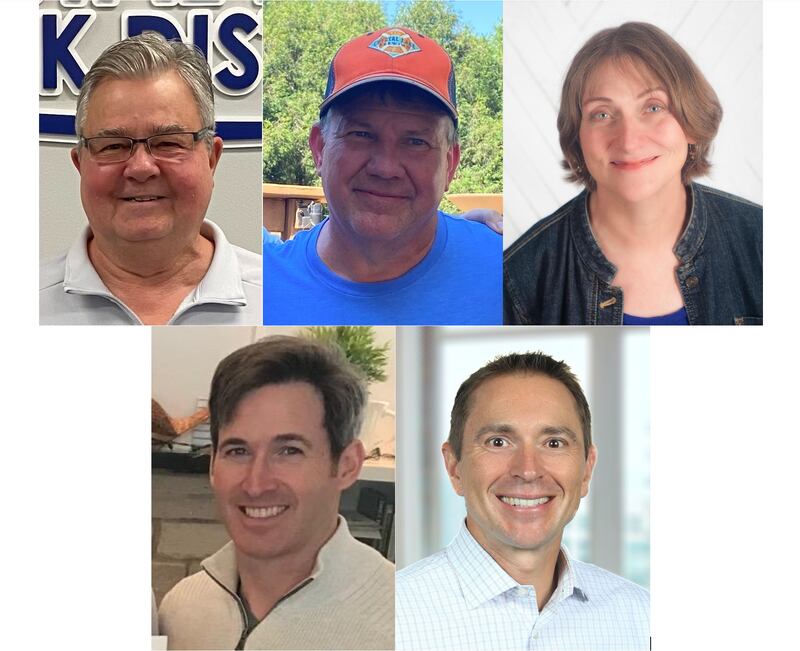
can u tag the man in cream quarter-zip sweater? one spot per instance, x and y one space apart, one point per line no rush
285 412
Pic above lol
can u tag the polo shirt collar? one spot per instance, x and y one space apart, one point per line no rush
482 579
221 284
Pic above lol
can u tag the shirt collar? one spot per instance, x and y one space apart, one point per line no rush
686 247
482 579
331 569
221 284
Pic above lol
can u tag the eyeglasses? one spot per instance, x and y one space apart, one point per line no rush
162 146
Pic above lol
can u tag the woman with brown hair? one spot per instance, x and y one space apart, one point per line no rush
636 123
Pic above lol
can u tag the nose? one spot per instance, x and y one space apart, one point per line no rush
384 161
525 463
260 478
630 133
141 166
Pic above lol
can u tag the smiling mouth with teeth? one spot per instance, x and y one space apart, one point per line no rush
262 512
519 501
143 199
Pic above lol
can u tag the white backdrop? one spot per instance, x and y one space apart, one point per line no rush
725 435
540 40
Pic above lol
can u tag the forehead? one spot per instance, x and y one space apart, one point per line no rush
163 98
613 72
523 400
377 108
277 409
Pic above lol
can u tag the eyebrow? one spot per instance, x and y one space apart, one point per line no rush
292 438
493 428
646 91
347 123
281 438
125 133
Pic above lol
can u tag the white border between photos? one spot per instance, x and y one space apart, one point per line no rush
76 478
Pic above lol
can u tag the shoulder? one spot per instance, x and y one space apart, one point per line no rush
291 249
249 265
602 586
51 272
545 231
380 570
460 227
736 210
196 593
194 589
422 576
471 257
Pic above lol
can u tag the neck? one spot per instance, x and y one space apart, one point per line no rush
150 278
265 581
536 567
360 259
654 223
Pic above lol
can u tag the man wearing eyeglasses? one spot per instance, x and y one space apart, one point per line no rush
146 155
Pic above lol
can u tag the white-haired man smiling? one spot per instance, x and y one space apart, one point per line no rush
146 155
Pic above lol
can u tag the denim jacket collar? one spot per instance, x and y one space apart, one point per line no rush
686 248
556 273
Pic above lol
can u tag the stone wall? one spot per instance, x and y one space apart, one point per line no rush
185 527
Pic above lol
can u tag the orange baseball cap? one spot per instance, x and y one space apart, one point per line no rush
392 54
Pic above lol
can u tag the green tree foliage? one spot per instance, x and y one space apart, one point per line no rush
300 38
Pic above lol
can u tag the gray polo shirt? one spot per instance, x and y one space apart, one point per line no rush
71 292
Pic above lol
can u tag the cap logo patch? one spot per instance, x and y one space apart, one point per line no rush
395 43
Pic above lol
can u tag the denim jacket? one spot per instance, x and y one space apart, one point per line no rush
556 273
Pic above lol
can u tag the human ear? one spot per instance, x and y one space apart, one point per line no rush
453 471
591 460
76 158
453 157
211 468
214 153
317 144
349 465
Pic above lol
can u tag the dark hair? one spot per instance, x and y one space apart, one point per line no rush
693 102
279 359
396 92
517 364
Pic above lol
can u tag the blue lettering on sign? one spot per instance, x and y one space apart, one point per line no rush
58 54
199 30
149 23
241 51
236 72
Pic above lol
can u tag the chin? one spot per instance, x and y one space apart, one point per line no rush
636 191
143 232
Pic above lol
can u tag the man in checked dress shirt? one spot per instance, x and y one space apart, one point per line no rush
520 452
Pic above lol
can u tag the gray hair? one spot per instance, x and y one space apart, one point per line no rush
386 91
147 55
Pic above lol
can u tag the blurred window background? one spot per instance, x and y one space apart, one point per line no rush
612 526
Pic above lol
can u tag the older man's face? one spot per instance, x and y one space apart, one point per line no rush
144 199
384 168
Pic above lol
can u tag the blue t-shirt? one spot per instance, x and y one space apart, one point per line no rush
459 281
